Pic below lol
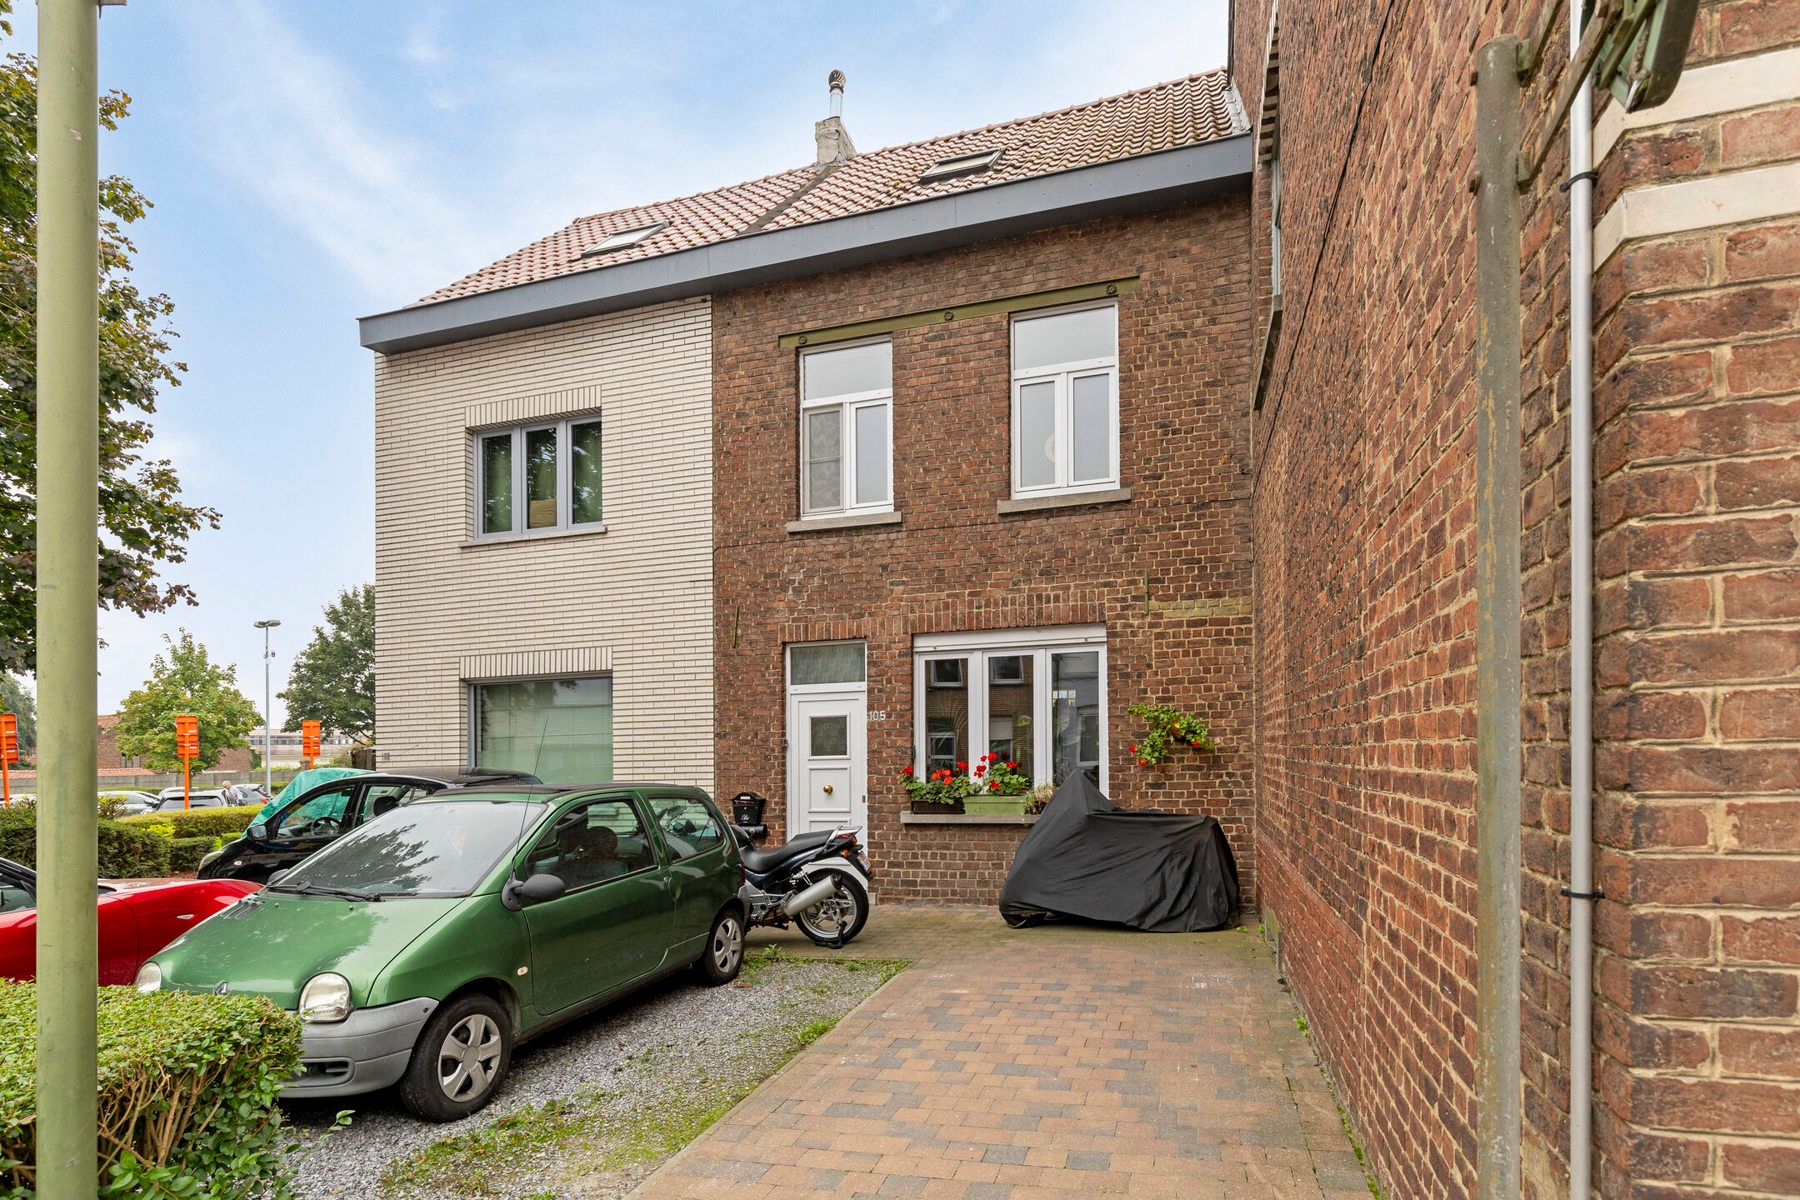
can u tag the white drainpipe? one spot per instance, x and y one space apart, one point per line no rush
1581 627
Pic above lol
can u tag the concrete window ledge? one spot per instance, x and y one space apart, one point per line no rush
518 539
913 818
1071 500
853 521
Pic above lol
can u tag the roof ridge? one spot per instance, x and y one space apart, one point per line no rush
1047 114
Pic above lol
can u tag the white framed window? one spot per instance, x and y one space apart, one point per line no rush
1065 401
1275 227
847 429
1043 703
538 479
560 730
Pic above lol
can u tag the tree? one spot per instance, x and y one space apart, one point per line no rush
16 700
184 680
333 680
143 523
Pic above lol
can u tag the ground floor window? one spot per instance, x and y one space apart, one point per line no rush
1036 697
560 730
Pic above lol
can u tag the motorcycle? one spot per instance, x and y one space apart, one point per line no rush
819 881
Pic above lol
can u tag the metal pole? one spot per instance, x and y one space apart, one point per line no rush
268 716
1498 596
68 589
1581 623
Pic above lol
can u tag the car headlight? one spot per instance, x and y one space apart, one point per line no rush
149 978
325 999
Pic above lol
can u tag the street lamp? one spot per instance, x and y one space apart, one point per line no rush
268 771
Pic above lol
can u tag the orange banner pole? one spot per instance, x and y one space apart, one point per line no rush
5 780
186 797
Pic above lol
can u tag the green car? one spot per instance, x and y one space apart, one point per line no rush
421 947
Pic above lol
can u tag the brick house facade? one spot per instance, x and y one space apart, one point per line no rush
1165 572
1364 529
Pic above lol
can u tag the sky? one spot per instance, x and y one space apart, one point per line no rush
314 161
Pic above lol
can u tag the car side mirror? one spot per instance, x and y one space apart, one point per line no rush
277 877
539 888
259 832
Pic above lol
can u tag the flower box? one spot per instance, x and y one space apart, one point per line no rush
995 804
931 808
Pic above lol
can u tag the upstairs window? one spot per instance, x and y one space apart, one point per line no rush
538 479
846 429
1065 401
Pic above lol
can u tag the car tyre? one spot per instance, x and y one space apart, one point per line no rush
723 957
460 1061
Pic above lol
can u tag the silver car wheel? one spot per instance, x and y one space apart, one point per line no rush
727 944
469 1058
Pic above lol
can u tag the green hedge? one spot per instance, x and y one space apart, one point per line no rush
200 822
125 853
186 1097
185 853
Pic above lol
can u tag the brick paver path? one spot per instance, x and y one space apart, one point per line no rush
1057 1061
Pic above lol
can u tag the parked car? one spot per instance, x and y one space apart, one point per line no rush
313 820
170 799
250 793
133 802
421 948
134 922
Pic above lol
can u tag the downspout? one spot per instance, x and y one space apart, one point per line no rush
1581 623
1498 595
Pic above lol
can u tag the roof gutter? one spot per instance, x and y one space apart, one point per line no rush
1138 184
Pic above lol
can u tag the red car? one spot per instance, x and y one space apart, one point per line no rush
134 922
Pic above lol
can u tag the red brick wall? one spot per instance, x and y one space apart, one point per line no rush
1364 522
1167 572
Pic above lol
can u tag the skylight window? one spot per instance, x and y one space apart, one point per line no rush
962 164
622 239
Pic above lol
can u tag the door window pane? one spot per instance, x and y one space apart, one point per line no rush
688 828
322 816
1037 434
1092 451
591 844
830 737
386 797
823 441
871 453
560 730
1075 715
847 371
1010 698
946 714
839 662
584 473
540 478
496 484
1063 338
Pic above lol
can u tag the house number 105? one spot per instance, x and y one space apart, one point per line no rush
878 714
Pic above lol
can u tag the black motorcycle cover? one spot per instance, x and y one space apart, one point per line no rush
1158 871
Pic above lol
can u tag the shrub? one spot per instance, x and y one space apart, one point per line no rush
125 852
186 1093
200 822
185 853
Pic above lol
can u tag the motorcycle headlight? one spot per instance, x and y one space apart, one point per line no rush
325 999
149 978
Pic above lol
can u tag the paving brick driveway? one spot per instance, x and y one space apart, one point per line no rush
1058 1061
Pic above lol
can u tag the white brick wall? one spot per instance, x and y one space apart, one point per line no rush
637 597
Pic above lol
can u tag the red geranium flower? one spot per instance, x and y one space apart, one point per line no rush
1132 747
980 769
1012 766
1142 763
994 786
962 766
908 771
1195 745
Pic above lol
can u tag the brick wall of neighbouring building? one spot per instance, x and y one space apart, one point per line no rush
1166 572
1365 599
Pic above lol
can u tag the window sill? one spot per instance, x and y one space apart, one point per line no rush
849 521
549 535
1029 504
913 818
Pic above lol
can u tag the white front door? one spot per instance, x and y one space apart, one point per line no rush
827 760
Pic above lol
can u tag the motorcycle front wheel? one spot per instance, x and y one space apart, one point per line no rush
836 921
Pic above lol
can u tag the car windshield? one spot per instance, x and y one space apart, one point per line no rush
434 849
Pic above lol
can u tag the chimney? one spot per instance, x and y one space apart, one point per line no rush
832 139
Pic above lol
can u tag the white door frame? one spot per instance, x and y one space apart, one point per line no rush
855 694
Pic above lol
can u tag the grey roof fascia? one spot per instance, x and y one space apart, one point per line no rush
1135 184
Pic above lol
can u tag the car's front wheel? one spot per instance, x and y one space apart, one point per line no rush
460 1060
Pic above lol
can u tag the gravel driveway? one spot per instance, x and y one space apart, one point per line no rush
596 1105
